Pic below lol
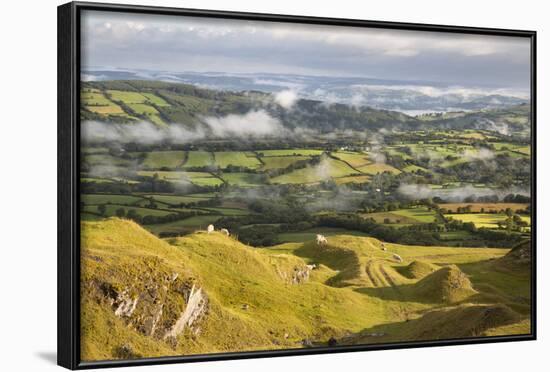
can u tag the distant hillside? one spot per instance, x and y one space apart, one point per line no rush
205 293
164 103
379 93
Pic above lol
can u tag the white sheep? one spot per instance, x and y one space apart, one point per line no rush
225 231
321 239
210 228
397 257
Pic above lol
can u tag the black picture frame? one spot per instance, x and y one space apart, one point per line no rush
68 313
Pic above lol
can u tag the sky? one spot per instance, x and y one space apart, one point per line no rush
181 44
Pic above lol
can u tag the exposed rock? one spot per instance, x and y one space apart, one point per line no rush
125 305
150 322
194 310
159 305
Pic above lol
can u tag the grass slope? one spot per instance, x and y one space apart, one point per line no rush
358 292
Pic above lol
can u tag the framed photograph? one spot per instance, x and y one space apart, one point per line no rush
237 185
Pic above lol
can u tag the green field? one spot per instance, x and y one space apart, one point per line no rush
95 180
223 159
393 218
489 220
94 150
242 179
109 199
420 214
352 179
183 226
143 108
309 235
229 211
163 159
199 159
291 152
127 97
105 159
176 199
487 207
280 162
414 168
97 103
95 99
354 159
327 169
404 216
378 168
181 177
111 209
155 99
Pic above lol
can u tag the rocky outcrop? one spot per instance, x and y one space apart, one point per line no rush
125 305
195 309
161 307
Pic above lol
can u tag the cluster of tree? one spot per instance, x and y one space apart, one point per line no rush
132 214
503 171
419 234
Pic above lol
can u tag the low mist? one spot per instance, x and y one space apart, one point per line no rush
458 194
253 124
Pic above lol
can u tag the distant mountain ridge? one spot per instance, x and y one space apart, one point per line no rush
405 96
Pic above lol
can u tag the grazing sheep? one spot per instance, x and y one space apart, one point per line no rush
312 266
210 228
225 231
321 239
397 257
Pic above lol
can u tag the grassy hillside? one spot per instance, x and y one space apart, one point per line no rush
204 293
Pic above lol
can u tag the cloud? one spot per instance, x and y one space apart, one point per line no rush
481 154
377 141
253 124
198 44
286 98
456 194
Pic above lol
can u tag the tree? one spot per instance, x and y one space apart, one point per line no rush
101 209
120 212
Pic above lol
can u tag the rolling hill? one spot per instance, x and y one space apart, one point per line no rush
205 293
163 103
